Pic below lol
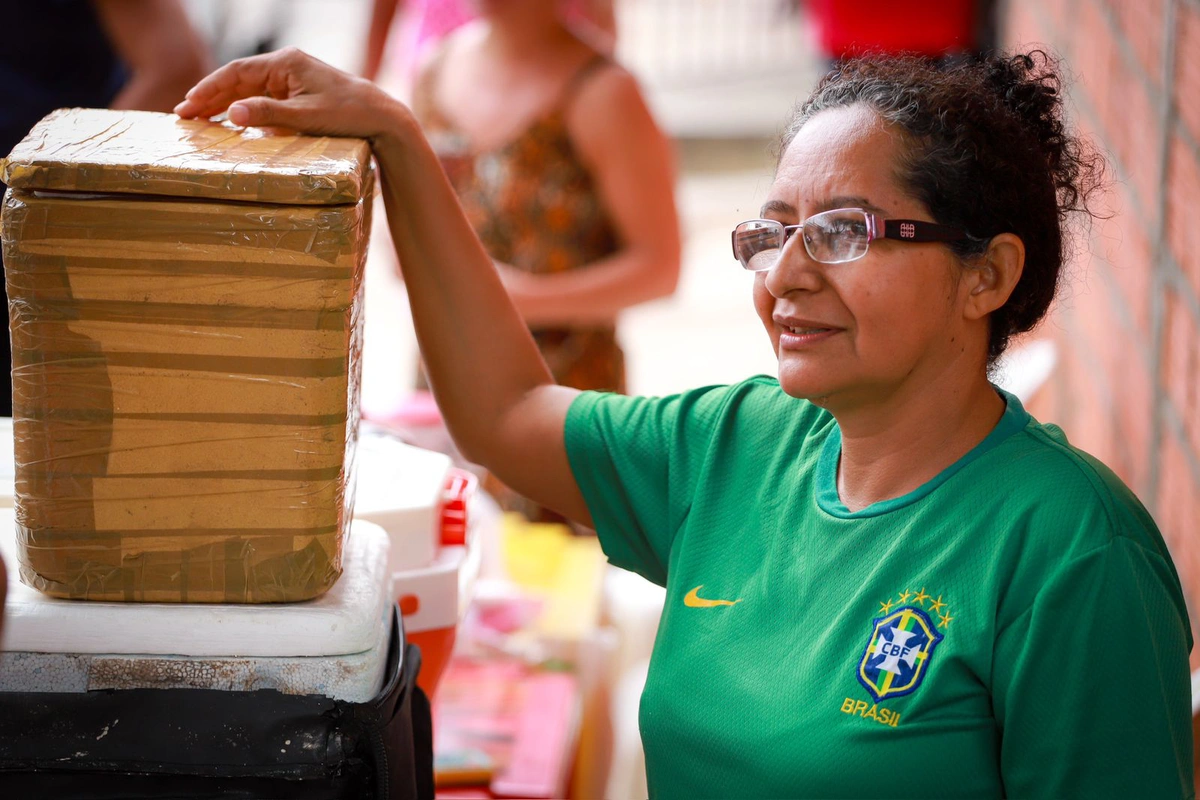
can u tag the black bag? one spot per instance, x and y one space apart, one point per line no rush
193 743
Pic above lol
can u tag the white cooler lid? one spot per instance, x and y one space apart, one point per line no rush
346 619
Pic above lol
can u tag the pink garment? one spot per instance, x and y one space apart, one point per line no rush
436 18
424 23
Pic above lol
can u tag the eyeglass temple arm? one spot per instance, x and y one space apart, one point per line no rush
918 230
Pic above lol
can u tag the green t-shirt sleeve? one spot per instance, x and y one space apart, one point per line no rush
636 461
1091 685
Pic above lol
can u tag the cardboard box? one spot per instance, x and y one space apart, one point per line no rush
185 307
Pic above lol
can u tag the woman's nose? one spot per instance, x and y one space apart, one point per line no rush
795 270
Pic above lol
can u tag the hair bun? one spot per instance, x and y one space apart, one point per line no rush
1029 86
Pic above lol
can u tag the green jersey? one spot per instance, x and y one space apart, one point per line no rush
1014 627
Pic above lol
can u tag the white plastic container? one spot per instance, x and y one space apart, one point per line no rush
399 488
434 599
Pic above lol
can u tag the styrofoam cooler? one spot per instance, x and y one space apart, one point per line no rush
334 645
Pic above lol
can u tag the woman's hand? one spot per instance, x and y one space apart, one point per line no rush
291 89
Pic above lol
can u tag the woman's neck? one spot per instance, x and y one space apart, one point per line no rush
897 443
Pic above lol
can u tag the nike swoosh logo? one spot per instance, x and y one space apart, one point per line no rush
694 600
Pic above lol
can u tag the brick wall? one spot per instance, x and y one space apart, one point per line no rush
1127 385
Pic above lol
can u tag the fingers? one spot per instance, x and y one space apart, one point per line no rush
274 73
261 112
214 93
289 89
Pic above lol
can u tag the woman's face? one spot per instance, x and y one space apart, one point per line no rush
865 331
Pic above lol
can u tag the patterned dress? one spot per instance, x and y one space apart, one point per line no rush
536 207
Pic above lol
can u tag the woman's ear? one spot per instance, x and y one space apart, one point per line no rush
994 277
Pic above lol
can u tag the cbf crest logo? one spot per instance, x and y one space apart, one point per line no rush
899 650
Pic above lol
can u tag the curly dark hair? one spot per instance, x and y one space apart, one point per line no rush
988 151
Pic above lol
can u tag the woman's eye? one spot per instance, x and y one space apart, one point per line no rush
848 227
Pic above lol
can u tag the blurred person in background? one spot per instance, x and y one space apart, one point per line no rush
128 54
565 177
401 32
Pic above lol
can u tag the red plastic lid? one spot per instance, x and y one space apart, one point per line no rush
460 485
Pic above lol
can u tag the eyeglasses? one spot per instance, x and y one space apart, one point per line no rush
831 237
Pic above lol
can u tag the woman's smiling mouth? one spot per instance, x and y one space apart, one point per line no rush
798 333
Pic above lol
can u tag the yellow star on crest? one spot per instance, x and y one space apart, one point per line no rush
945 620
885 607
922 597
907 593
937 605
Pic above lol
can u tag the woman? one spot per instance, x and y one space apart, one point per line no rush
566 180
883 577
564 175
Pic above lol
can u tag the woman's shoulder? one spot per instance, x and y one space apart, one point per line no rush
756 403
758 409
599 83
1037 508
758 392
1066 488
602 94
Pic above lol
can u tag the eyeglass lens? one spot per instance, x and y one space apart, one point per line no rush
832 237
758 243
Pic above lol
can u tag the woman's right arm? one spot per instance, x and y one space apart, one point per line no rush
492 386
